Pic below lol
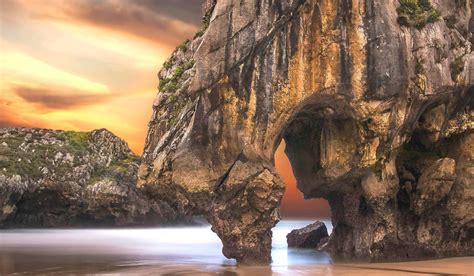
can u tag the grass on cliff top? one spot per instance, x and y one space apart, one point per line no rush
77 140
417 13
16 161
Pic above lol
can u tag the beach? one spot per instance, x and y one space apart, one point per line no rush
181 251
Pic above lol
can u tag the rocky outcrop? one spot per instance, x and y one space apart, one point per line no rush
373 99
53 178
309 236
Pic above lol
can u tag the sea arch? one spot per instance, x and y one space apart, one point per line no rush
342 77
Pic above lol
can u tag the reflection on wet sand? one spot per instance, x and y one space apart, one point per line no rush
179 251
452 266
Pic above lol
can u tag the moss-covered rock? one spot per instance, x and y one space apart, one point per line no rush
457 67
417 13
51 178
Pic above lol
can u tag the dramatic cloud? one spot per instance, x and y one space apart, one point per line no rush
163 22
188 11
49 99
17 66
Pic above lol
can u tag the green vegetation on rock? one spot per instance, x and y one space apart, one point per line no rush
172 60
206 20
77 140
171 84
417 13
183 46
14 160
175 114
55 178
117 168
457 67
169 63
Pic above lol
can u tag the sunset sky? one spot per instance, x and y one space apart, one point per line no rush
88 64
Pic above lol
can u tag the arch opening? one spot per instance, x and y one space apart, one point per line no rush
318 158
293 205
301 218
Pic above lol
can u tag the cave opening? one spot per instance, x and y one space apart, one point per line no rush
293 205
298 213
317 157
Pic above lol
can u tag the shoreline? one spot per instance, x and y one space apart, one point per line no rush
183 251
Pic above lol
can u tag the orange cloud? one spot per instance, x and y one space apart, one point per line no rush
49 99
156 21
18 66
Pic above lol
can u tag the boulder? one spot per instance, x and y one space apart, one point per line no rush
309 236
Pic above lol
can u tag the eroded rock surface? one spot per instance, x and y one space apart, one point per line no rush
53 178
373 99
309 236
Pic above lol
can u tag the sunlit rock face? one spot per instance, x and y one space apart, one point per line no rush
54 178
375 108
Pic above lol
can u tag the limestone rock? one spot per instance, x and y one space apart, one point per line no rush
365 105
53 178
309 236
434 184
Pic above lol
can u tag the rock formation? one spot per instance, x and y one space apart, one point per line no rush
52 178
373 99
309 236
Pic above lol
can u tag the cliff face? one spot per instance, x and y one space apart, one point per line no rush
373 98
54 178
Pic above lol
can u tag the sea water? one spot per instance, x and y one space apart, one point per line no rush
88 250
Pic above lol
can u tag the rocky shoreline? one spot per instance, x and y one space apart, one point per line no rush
55 178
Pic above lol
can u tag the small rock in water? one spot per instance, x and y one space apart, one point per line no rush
307 237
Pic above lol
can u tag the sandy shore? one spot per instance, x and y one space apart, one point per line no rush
180 251
451 266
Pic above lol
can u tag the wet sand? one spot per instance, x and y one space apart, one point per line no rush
451 266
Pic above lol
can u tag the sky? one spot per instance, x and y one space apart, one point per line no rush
87 64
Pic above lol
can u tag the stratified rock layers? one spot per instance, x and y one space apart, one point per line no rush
54 178
377 118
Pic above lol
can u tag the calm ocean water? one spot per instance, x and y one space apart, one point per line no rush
96 250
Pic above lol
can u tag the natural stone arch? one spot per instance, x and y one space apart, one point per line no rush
333 155
227 97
